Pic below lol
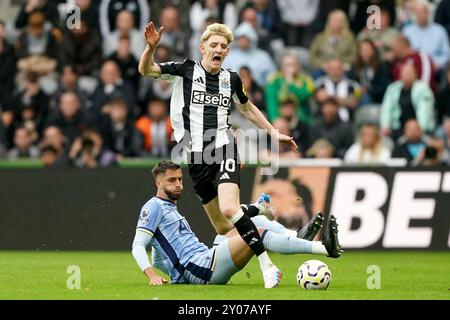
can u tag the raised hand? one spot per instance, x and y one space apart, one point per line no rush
152 36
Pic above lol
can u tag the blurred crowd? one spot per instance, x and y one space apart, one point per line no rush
360 80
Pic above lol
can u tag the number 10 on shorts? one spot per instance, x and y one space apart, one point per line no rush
228 164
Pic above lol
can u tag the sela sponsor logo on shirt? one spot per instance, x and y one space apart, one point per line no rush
202 97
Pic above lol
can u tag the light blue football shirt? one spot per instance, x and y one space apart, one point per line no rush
171 236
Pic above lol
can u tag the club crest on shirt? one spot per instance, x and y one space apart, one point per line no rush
225 83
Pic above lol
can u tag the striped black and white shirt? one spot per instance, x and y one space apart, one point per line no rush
201 102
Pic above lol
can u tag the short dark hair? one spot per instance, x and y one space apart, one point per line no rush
330 100
48 148
118 100
163 166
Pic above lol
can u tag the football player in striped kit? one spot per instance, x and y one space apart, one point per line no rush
199 111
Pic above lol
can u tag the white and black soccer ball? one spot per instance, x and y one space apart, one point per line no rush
313 274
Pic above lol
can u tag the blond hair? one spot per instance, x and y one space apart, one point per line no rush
345 28
217 29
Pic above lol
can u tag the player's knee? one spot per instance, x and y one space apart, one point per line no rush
228 210
261 230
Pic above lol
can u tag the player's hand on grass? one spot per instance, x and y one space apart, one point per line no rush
157 281
153 278
152 36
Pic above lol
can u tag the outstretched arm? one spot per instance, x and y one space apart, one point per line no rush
252 113
147 65
140 243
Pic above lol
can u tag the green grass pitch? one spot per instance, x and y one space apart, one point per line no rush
115 275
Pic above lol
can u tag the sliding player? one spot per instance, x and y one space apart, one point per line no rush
179 253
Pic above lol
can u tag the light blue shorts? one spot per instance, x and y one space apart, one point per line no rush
199 269
224 267
213 266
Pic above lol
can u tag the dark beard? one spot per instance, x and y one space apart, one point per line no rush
172 196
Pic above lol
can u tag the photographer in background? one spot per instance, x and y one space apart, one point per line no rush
434 154
88 151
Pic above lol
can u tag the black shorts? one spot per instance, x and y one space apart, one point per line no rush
208 169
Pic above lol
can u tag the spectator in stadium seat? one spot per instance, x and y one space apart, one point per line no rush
298 18
127 62
112 85
298 129
405 13
53 136
428 36
89 152
442 15
82 48
402 52
23 147
110 9
329 126
412 143
407 98
247 54
125 26
90 13
174 36
37 50
69 81
321 149
48 156
156 129
47 7
3 139
369 148
382 37
31 104
444 134
359 21
224 11
337 85
70 118
435 154
118 132
36 40
328 6
290 80
253 90
183 7
371 73
54 148
250 15
29 119
443 100
7 66
336 41
269 18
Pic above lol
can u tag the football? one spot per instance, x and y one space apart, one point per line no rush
313 274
